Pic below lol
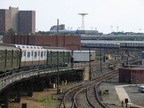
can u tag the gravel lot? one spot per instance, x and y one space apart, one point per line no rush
135 96
111 98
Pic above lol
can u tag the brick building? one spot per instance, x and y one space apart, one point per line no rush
72 42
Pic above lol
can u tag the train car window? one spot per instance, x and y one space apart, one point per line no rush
45 53
28 54
24 53
41 54
8 56
32 53
35 54
65 53
38 53
60 54
14 55
1 56
48 54
54 54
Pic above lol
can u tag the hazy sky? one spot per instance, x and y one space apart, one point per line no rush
103 15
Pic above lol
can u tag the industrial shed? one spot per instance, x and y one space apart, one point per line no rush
131 75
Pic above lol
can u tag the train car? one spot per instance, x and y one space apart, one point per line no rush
23 56
99 44
9 58
32 55
142 58
132 44
58 56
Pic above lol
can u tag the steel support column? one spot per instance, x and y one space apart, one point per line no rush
5 98
18 88
30 93
42 85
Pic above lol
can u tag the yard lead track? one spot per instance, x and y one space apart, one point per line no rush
86 94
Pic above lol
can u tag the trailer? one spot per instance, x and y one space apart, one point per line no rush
84 55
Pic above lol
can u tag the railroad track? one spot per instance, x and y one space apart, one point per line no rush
86 94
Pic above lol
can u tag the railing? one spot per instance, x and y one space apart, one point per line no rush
15 76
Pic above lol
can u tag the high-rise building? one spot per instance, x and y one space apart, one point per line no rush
5 20
26 22
20 21
14 17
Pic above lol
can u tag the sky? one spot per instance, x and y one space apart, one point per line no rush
103 15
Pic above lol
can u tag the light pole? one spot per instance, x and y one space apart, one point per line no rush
100 59
127 53
90 77
57 74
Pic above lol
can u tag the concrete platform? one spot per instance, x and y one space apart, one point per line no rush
123 95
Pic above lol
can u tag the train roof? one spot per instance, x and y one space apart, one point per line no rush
56 48
83 51
28 46
108 41
8 47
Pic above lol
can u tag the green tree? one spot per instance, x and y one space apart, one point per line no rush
11 31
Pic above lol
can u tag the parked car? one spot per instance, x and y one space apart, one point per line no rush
141 88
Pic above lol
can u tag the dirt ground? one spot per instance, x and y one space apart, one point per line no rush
45 99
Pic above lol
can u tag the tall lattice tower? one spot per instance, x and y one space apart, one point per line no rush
83 14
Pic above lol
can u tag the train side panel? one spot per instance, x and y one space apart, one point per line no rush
67 57
57 56
16 59
9 58
32 55
2 60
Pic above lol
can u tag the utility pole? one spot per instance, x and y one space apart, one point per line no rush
100 59
90 75
57 74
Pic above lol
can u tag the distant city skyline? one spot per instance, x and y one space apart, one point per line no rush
103 15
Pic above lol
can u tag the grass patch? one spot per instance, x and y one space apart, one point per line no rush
46 99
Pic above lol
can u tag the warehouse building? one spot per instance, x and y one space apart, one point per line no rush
72 42
133 75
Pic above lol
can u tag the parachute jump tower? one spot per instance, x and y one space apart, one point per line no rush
83 14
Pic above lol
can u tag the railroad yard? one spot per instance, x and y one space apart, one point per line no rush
96 87
71 66
106 93
110 99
